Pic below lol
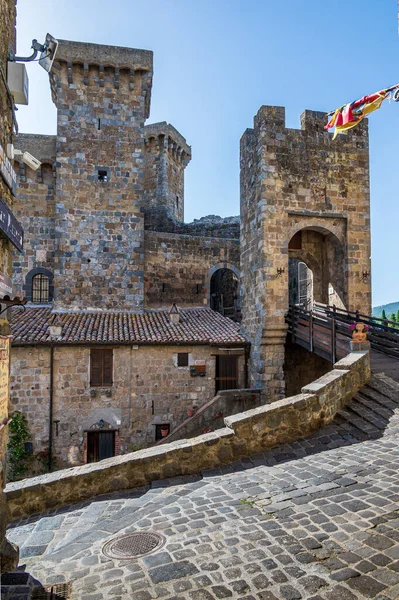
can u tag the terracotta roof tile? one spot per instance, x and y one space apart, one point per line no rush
196 326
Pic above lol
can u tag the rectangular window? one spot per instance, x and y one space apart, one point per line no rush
40 288
182 359
101 367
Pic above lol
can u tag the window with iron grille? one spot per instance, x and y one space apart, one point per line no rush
40 288
101 367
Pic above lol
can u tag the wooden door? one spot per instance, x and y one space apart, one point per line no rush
226 373
100 445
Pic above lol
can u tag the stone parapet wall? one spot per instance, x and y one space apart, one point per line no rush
212 414
159 219
244 434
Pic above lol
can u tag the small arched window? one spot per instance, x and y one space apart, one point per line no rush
39 286
47 174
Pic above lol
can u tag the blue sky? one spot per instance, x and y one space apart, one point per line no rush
217 61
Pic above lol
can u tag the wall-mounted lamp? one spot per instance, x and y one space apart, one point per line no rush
365 275
280 271
101 423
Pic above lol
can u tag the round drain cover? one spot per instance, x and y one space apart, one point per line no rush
134 545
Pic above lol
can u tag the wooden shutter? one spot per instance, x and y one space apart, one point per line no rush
226 373
107 367
96 367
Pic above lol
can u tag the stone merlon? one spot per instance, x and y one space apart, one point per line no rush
312 122
100 54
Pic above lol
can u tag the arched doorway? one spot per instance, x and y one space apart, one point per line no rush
300 284
317 268
224 293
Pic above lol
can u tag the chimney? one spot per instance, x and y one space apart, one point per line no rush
174 315
55 327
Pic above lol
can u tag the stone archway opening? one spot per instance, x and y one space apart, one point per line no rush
224 293
317 268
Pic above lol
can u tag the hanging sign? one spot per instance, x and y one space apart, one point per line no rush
7 171
10 227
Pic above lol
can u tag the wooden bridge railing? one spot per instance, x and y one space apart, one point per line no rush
325 330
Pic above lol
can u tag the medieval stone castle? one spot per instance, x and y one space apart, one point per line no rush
135 316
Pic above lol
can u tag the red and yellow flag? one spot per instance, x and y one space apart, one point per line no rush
350 115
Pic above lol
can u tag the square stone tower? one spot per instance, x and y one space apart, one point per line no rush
306 198
102 94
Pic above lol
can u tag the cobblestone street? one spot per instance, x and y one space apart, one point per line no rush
317 519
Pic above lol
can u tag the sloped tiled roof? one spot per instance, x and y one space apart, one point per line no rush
196 326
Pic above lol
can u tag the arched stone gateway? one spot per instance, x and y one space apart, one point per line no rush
223 289
304 199
317 270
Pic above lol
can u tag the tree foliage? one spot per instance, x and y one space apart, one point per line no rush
18 456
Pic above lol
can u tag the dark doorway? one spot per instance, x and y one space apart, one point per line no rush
300 284
224 293
100 445
226 373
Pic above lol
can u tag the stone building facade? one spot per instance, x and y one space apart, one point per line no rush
307 197
152 382
8 126
106 243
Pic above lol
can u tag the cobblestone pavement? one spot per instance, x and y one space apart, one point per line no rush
317 519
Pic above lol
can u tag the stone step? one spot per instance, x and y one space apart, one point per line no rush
367 415
378 409
383 385
343 424
357 422
380 399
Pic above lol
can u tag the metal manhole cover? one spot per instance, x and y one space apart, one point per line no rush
134 545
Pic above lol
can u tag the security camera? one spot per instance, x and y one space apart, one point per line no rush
28 159
31 161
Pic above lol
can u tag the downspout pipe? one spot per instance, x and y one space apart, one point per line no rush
50 411
247 351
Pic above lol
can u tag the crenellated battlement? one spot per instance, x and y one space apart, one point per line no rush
81 64
272 119
158 136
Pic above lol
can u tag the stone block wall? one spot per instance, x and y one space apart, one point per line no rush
148 389
244 434
177 267
292 181
35 208
301 367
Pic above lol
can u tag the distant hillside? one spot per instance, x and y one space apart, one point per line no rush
393 307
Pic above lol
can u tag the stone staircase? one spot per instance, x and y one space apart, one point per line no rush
373 411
